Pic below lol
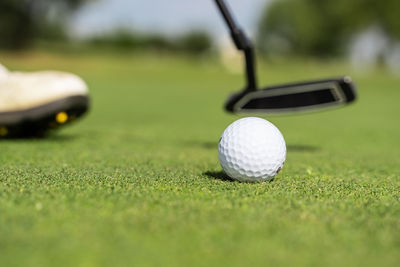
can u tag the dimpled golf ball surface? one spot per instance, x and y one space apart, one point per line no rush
252 150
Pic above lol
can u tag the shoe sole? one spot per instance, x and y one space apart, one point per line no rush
37 121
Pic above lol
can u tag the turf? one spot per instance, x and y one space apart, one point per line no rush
137 182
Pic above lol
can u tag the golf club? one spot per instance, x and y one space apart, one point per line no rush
288 98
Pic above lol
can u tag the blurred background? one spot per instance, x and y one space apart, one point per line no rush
363 32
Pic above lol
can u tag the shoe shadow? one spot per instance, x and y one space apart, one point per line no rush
200 144
41 138
218 176
61 137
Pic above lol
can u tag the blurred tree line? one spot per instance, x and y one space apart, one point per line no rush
323 27
192 42
306 27
22 22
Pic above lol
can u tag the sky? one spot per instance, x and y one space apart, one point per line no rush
162 16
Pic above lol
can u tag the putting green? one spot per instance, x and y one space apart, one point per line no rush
137 182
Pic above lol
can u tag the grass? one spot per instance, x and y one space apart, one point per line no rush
138 182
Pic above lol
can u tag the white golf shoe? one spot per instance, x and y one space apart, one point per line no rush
33 103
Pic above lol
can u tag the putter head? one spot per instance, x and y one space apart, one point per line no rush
294 98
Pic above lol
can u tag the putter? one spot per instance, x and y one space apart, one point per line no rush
287 98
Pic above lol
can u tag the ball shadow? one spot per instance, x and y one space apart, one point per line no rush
225 178
218 176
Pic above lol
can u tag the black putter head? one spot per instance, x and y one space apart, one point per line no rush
289 98
296 97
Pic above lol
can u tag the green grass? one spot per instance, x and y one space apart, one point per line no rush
137 182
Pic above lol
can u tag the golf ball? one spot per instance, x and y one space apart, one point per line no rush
252 150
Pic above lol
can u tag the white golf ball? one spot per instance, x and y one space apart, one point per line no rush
252 150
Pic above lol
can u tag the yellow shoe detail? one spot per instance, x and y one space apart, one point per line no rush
3 131
62 117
